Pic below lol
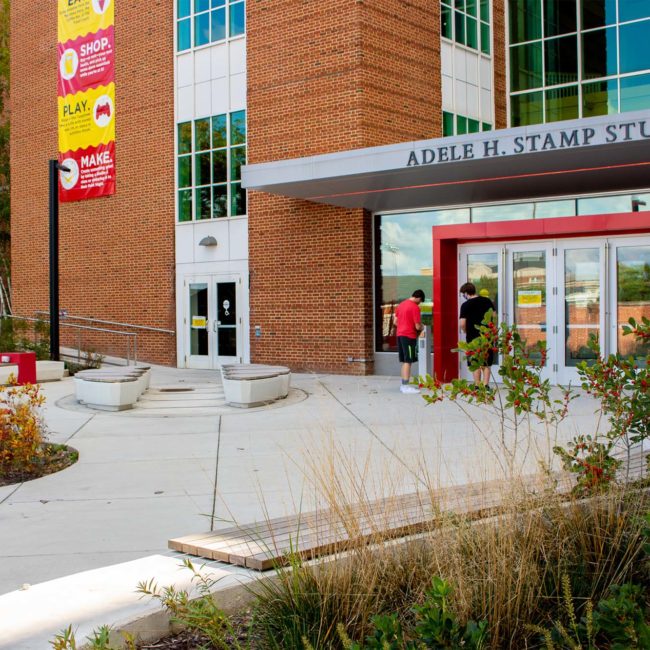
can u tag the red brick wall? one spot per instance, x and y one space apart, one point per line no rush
116 253
499 64
326 77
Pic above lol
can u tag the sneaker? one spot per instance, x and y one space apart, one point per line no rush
406 388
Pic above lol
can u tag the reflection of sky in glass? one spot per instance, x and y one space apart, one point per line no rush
549 209
633 255
406 239
510 212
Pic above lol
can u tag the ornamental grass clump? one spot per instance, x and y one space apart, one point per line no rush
22 430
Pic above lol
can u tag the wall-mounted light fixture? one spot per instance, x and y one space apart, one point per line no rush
208 241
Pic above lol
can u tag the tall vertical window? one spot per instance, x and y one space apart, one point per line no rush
572 59
466 22
211 152
200 22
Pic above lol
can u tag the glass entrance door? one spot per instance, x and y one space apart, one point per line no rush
213 323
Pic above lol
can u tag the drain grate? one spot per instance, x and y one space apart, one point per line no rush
175 390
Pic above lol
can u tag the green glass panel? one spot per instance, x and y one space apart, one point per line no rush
485 38
486 127
447 124
562 104
202 203
460 4
473 126
559 17
485 11
526 66
202 168
185 137
461 125
237 18
219 131
218 25
202 134
599 53
634 46
220 201
635 93
201 29
598 13
446 27
525 20
238 127
471 7
185 205
183 8
561 59
185 171
238 199
184 34
472 33
633 10
526 109
219 166
237 159
600 98
447 2
459 27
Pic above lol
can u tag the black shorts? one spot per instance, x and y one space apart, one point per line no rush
407 349
490 360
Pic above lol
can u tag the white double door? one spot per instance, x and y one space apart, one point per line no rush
562 291
213 320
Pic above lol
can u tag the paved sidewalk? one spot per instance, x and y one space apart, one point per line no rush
141 480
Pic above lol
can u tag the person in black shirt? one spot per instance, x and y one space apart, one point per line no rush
472 313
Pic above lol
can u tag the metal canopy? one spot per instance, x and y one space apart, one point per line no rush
601 154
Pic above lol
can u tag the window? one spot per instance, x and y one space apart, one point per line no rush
466 22
581 58
200 22
211 152
460 125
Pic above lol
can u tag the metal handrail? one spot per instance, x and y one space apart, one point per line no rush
110 322
92 329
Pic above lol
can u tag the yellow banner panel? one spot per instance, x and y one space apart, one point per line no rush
81 17
87 119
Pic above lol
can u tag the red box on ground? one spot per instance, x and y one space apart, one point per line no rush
26 362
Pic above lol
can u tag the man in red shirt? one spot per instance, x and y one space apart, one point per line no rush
409 326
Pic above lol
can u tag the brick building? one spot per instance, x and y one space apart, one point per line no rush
288 171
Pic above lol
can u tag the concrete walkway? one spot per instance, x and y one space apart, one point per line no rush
143 478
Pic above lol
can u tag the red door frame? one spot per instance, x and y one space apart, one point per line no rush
445 264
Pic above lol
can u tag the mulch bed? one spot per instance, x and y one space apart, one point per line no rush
56 458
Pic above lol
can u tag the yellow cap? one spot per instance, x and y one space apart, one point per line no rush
484 292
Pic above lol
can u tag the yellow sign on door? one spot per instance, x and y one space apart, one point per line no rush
199 322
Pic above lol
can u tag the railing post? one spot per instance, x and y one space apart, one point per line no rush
54 259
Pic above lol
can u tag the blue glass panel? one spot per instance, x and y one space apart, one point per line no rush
635 93
184 35
598 13
201 5
237 18
183 8
635 53
218 24
201 29
217 3
633 9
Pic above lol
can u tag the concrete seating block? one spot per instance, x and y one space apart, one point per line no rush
49 371
108 393
7 369
248 385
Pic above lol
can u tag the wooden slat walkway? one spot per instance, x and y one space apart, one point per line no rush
263 545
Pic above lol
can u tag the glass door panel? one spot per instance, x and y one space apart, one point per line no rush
226 322
197 324
632 296
529 296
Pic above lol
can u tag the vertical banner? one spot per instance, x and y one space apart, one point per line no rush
86 98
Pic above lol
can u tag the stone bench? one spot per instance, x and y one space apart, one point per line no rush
49 371
6 370
248 385
111 389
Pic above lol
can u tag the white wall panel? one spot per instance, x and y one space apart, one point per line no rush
220 96
217 229
486 107
471 61
460 67
473 109
447 93
460 88
185 103
238 239
219 56
185 70
238 56
202 66
203 100
486 73
237 92
184 244
446 58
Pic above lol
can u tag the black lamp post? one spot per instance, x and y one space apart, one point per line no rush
55 167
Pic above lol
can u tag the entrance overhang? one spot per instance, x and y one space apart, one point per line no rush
608 153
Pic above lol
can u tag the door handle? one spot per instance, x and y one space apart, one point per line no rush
214 325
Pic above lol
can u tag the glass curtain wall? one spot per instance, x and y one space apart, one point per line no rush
571 59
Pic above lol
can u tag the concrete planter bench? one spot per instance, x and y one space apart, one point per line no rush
49 371
111 389
248 385
7 369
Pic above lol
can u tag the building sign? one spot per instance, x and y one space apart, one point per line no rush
86 98
533 140
529 298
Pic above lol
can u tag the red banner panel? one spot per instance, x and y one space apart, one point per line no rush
92 173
